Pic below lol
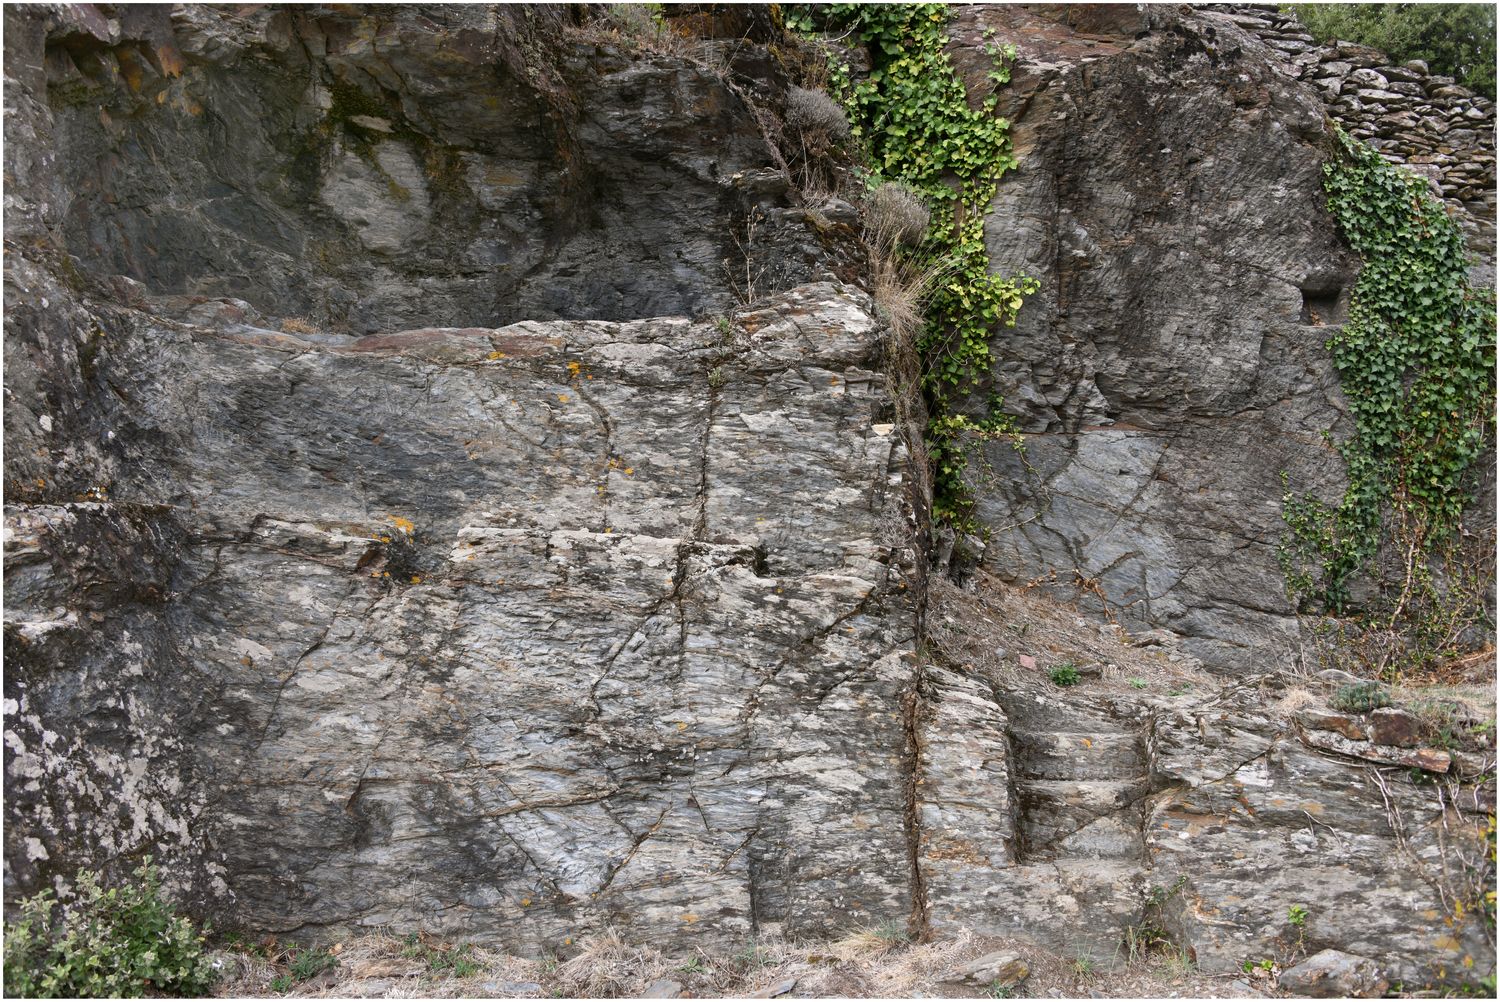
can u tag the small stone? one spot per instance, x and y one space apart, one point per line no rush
1392 726
509 988
1340 723
1027 661
1006 969
781 987
1336 676
662 988
1334 974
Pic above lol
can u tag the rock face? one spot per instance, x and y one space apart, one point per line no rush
374 171
1172 366
513 631
1100 822
407 526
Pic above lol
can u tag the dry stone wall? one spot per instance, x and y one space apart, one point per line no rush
1423 121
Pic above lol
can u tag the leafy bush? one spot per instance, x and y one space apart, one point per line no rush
1360 698
1064 675
1455 40
119 943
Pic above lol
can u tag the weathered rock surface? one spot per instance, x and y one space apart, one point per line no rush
514 631
1172 365
372 563
1442 132
1334 974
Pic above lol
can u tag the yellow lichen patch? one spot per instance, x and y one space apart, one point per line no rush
404 524
1446 942
574 368
681 726
416 579
563 397
496 356
629 472
1087 743
525 902
688 917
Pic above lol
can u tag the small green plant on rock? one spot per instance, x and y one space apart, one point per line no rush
1064 675
124 942
281 984
1360 698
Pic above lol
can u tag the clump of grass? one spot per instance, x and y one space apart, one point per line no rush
818 119
898 214
301 325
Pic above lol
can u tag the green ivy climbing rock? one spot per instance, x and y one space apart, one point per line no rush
912 114
1416 361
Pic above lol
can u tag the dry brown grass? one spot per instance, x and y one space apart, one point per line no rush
865 964
970 626
299 325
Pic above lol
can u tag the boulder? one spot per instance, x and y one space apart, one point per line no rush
1334 974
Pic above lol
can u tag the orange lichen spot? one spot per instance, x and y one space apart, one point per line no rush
574 368
416 579
404 524
496 356
563 397
681 726
385 539
834 381
608 529
1088 743
525 902
688 917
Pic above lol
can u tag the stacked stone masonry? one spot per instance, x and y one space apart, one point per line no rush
1421 120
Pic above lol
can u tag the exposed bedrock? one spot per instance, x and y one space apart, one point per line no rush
1172 366
406 614
408 526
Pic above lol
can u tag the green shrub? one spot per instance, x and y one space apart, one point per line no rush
1064 675
1360 698
1456 40
118 943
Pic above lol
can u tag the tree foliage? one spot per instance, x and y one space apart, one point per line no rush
1456 40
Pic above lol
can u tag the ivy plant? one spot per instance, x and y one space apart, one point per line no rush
1416 361
913 115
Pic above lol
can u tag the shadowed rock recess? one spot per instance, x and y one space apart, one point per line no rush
452 483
